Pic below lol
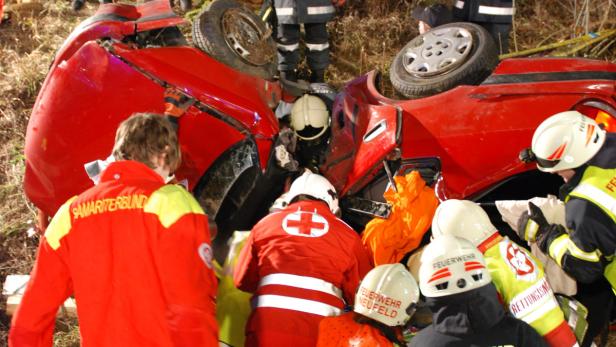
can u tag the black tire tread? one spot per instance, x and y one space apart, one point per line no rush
208 36
476 69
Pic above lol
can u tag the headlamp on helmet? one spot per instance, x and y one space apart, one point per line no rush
451 265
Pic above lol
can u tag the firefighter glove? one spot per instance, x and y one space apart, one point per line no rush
532 224
527 156
552 232
176 103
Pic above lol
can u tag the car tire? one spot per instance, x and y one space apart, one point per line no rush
444 57
235 36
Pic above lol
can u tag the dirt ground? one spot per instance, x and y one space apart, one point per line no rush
365 37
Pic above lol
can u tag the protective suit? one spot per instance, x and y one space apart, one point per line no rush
302 264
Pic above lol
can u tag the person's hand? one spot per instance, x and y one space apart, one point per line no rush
338 3
532 224
527 156
176 103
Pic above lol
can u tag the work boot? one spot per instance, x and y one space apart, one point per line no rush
317 76
78 4
288 75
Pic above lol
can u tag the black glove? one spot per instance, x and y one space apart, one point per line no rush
527 156
532 224
552 232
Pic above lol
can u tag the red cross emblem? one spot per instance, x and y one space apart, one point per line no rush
307 224
519 262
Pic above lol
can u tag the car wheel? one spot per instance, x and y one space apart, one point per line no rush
235 36
442 58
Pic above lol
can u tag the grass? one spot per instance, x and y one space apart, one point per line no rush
367 37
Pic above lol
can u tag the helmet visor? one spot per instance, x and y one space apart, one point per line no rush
546 163
410 310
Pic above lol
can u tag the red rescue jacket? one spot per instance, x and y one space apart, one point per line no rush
344 331
136 255
302 264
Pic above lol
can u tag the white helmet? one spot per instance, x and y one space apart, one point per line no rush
451 265
309 117
315 186
566 140
462 218
387 294
280 203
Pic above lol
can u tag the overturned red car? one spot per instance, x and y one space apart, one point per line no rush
465 139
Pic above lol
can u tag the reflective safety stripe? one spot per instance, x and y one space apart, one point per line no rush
530 231
540 312
537 306
288 48
497 11
285 11
459 4
295 304
303 282
314 10
558 247
580 254
596 195
60 225
317 46
170 203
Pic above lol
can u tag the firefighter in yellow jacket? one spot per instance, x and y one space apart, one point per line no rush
518 276
575 147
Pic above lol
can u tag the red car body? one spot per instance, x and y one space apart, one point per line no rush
476 132
468 137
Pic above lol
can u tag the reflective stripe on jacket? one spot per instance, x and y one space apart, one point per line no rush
278 290
304 11
300 262
488 11
136 255
520 280
598 187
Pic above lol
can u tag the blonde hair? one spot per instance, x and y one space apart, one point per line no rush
146 135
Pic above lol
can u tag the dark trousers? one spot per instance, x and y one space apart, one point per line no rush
317 46
598 299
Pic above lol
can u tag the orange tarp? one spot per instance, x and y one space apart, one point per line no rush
413 206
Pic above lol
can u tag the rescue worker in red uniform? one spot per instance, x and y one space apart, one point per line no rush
575 147
302 263
385 301
134 251
518 276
